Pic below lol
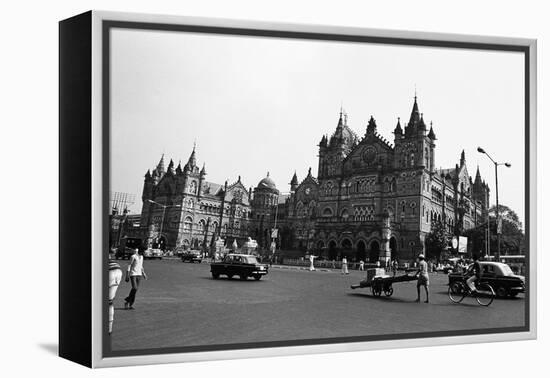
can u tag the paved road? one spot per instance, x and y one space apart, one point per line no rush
181 305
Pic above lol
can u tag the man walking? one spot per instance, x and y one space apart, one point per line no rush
344 265
423 279
133 274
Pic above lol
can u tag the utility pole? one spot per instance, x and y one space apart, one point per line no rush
499 227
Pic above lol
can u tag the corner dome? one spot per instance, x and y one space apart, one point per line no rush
267 183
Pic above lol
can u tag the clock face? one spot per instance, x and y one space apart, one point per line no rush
369 155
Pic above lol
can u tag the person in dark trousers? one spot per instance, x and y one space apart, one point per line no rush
423 278
134 274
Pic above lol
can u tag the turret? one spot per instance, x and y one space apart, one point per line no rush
294 182
170 170
371 127
421 125
148 186
323 142
179 171
431 133
192 162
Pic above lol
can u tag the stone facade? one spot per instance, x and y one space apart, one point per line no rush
181 208
376 201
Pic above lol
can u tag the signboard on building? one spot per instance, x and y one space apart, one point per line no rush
454 242
462 244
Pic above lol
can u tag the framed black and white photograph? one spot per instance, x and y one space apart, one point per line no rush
261 189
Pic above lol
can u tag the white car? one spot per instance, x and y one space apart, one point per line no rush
153 253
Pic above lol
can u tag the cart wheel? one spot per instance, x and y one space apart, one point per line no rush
389 292
376 292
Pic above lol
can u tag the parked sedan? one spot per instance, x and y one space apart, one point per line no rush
499 276
243 266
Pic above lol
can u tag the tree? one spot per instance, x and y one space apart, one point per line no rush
437 240
512 237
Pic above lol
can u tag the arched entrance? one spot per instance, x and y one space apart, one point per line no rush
347 247
321 248
361 253
332 250
393 248
374 253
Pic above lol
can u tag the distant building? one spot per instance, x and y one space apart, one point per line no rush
181 208
371 200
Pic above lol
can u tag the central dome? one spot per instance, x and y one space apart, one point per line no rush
267 183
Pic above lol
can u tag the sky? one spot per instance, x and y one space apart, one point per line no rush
255 105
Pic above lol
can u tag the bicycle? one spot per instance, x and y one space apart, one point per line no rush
484 293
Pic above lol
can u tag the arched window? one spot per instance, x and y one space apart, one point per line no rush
412 160
187 223
327 212
201 225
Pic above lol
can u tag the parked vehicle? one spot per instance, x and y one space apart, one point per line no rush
191 256
499 276
240 265
153 253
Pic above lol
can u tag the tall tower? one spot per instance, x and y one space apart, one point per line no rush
192 175
414 146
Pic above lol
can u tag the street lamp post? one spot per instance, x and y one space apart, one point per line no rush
508 165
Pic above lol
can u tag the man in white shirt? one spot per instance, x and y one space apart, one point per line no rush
133 274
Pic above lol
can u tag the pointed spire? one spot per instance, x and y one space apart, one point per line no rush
148 174
431 134
160 165
415 113
294 179
398 130
462 158
371 127
178 169
309 172
340 122
421 124
203 170
477 180
192 162
170 167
